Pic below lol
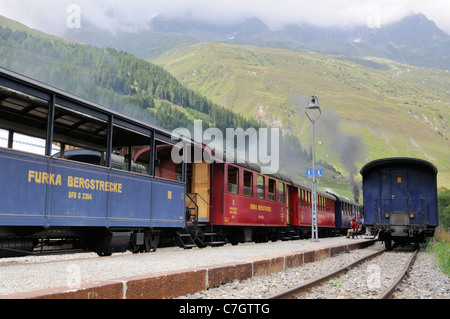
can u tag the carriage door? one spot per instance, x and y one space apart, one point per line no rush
201 186
399 191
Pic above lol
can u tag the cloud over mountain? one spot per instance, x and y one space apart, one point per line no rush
51 16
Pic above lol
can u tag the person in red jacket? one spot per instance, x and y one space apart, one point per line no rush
354 227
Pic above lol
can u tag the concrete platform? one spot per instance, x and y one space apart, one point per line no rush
194 274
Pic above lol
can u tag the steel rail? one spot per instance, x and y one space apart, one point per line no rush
296 291
45 252
386 294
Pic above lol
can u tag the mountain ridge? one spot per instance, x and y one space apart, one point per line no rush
411 40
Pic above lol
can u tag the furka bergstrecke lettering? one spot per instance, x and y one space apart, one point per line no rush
74 182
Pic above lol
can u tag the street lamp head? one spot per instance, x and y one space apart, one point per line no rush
313 107
313 103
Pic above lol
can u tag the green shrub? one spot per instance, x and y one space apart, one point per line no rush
439 246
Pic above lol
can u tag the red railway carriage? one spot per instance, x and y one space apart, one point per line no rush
301 211
248 205
249 198
238 203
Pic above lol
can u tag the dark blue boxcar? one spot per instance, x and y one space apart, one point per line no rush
400 199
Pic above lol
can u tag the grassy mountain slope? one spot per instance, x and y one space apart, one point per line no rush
397 110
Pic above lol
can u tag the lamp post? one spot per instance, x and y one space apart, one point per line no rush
313 113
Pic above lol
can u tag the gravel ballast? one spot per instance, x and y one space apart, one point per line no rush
425 281
42 272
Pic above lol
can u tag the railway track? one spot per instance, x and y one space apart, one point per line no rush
386 294
310 288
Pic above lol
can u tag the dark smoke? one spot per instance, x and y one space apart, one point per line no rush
349 147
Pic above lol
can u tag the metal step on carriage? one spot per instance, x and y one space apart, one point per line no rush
197 234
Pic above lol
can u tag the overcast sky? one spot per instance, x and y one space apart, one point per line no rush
52 16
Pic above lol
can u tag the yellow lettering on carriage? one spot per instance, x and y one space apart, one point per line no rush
260 208
264 208
94 184
31 175
73 182
69 181
44 178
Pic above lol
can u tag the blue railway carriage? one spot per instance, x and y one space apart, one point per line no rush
96 178
346 210
400 199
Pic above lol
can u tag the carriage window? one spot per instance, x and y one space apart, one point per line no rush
299 196
23 120
309 200
299 191
281 192
130 151
165 167
125 158
26 143
271 189
248 183
304 199
260 186
232 179
81 137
